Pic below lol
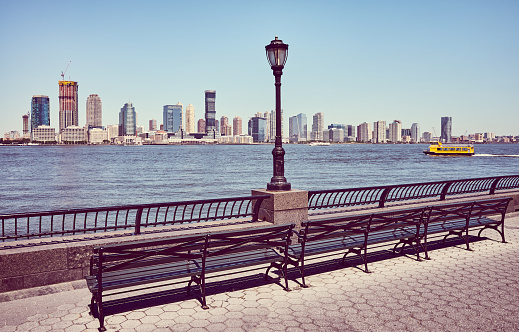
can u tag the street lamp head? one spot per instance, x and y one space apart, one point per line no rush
277 53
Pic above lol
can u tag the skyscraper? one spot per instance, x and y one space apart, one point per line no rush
395 131
25 119
172 117
415 133
257 129
293 128
364 132
302 125
225 127
318 126
379 132
94 111
446 129
40 111
210 111
236 126
127 120
68 104
190 119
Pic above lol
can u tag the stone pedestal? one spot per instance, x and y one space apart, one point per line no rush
284 207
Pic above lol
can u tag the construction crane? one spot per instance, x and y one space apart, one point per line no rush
63 72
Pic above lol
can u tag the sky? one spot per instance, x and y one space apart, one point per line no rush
355 61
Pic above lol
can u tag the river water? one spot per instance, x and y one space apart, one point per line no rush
42 178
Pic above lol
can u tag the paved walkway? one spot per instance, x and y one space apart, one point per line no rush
458 290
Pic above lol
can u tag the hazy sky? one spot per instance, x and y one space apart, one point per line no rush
355 61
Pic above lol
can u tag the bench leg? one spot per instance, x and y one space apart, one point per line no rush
200 281
360 254
284 271
494 227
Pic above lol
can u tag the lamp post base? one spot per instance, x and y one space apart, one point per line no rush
279 185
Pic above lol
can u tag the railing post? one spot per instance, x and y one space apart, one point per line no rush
383 197
494 185
138 221
444 191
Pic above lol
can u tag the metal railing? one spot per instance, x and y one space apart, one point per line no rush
336 198
125 217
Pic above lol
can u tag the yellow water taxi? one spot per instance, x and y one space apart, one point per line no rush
439 149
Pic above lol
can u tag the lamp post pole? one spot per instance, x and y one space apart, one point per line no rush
277 54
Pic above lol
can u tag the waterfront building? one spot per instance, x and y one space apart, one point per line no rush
317 127
73 135
293 128
97 136
127 120
478 137
26 131
152 125
68 104
302 126
172 117
225 127
336 135
217 126
364 133
139 130
257 128
112 131
415 133
43 134
406 132
489 137
40 111
427 137
379 132
395 131
270 126
190 119
201 126
446 133
349 133
236 126
210 111
12 135
94 110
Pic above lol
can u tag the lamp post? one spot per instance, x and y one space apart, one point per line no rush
277 53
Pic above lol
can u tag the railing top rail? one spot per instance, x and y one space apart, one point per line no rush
312 192
132 206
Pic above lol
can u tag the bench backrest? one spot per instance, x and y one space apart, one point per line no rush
223 243
322 229
148 252
466 210
396 220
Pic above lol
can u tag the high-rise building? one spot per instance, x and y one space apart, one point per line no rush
25 119
270 125
364 132
94 111
172 117
257 129
446 132
350 132
379 132
68 104
153 125
236 126
210 111
40 111
415 133
127 120
293 128
302 125
395 131
190 119
427 137
318 126
225 127
201 126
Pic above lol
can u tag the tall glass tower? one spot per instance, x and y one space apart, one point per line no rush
210 111
127 120
446 129
172 117
40 111
68 104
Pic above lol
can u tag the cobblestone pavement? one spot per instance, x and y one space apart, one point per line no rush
457 290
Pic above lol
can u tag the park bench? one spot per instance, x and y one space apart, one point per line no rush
458 218
124 266
353 234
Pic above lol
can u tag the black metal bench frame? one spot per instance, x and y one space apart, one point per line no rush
125 265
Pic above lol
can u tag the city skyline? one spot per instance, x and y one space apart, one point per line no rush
405 60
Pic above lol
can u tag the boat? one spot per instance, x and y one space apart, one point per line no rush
439 149
319 144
